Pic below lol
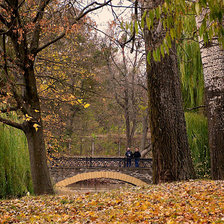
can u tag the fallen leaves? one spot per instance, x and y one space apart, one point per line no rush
181 202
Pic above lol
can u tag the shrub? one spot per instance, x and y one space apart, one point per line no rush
15 177
197 130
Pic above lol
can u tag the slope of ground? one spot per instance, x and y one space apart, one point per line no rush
181 202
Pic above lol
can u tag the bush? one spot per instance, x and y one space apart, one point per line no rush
15 177
197 130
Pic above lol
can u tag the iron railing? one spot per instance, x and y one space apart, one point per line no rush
91 162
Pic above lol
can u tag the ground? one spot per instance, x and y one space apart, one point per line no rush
182 202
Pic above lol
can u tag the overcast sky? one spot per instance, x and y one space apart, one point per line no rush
104 15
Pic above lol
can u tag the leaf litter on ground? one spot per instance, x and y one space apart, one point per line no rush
180 202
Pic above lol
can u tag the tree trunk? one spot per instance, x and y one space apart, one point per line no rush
36 145
128 127
92 147
213 68
38 162
145 128
171 154
145 152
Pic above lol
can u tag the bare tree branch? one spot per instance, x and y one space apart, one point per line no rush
194 108
83 12
144 87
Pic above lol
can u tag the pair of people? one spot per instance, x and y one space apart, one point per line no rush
136 155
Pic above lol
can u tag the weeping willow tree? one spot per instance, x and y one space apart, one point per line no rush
192 83
191 67
15 176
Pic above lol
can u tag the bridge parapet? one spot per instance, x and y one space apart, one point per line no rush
67 167
96 162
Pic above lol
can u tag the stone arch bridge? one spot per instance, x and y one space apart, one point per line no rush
68 170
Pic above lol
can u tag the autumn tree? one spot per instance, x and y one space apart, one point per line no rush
66 74
25 32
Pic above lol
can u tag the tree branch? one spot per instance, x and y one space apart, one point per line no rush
144 87
16 96
42 6
81 15
194 108
51 42
132 38
83 12
3 20
11 123
4 55
9 109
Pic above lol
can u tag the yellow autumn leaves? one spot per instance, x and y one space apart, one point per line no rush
84 104
180 202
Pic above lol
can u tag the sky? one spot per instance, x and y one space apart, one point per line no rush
104 15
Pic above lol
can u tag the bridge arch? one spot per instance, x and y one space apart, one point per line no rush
96 175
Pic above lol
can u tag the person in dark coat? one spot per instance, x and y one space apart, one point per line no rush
137 156
129 156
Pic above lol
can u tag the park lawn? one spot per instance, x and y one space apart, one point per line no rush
181 202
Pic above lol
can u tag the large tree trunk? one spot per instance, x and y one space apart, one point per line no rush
36 145
171 154
213 68
38 162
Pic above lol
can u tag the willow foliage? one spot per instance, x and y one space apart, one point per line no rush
191 74
190 65
15 178
197 131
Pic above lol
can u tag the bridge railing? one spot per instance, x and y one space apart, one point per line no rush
91 162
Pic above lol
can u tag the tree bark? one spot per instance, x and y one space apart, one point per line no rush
171 154
35 138
38 161
213 68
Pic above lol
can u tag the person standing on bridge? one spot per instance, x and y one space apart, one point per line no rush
129 156
137 156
